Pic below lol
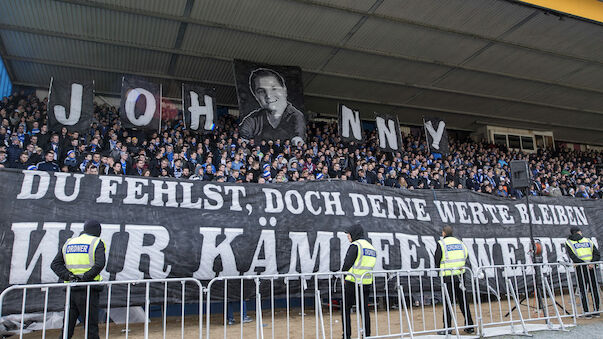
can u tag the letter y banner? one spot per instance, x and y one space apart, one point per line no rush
437 137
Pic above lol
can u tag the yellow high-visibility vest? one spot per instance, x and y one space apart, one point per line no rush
582 248
365 262
78 254
454 256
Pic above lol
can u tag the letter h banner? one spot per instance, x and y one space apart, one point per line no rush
199 107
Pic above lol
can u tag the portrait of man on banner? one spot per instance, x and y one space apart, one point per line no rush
271 102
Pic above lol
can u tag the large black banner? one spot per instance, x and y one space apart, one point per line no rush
157 228
140 105
271 102
70 104
199 107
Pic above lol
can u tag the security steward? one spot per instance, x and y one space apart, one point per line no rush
451 255
582 250
359 259
81 260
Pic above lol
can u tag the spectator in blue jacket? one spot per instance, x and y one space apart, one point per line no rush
48 165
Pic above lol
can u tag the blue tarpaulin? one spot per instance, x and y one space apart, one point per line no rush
6 85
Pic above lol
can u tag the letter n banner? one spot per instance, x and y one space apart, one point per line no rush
199 106
140 104
71 105
350 126
388 128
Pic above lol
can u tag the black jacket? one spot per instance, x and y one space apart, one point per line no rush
48 167
570 253
58 265
20 165
357 232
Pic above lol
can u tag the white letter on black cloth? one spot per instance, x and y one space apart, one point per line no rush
130 105
75 109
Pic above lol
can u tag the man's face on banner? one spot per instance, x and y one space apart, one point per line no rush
271 94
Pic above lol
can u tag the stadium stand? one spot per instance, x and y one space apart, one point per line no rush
25 143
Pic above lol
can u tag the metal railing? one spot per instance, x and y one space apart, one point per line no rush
504 299
432 287
586 283
297 292
48 290
524 297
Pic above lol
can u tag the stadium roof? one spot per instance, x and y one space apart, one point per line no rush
472 62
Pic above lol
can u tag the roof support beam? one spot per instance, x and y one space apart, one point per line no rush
219 25
317 95
475 54
313 71
180 37
345 40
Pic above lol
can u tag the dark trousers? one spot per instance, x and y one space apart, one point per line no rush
588 277
458 296
350 300
77 308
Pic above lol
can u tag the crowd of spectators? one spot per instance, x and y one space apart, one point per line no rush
222 156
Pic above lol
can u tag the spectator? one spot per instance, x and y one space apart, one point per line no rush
138 170
116 169
391 180
581 192
501 192
54 146
23 162
14 150
48 165
124 160
71 161
3 159
554 190
91 169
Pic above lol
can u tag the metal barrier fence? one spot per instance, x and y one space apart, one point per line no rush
509 299
523 297
130 285
586 278
432 286
302 292
396 287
